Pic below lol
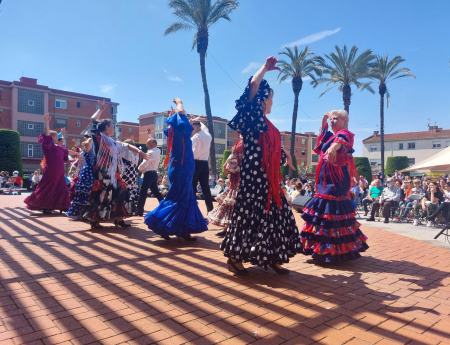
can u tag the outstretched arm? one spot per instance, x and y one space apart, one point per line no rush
270 65
47 119
180 107
101 107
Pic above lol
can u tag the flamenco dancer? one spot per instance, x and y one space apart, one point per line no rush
109 193
262 229
221 215
51 193
129 176
85 180
178 214
331 232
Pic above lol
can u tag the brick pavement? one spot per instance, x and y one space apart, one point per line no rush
61 283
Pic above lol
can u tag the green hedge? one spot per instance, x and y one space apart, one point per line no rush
26 182
395 163
142 146
226 154
10 154
363 166
285 169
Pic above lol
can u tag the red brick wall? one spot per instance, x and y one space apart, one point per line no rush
133 135
6 101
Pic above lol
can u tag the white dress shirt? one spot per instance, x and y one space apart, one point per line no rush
151 164
201 142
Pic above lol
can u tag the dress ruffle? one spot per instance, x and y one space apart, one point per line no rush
221 215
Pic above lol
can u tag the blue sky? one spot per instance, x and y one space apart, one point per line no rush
117 49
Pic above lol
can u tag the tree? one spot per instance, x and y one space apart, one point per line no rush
226 154
396 163
346 69
362 165
10 154
303 64
200 15
385 71
303 170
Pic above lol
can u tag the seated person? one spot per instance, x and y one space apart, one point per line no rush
220 186
309 191
35 180
389 198
227 184
416 189
298 190
292 184
374 193
430 203
444 209
18 180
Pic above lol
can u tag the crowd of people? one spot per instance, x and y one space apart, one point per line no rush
110 179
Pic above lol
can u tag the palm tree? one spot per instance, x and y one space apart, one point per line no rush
303 64
199 15
385 71
347 70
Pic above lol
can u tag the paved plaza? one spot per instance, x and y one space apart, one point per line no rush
61 283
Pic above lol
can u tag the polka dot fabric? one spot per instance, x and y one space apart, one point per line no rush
254 235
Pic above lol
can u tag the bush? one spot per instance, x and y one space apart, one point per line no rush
142 146
363 166
26 182
226 154
286 169
10 154
395 163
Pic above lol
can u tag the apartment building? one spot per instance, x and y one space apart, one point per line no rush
127 130
304 144
417 146
23 104
223 136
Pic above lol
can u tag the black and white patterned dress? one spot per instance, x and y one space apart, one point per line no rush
254 235
130 178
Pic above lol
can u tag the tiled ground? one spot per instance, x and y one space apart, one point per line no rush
64 284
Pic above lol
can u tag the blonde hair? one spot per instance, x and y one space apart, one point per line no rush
53 133
340 113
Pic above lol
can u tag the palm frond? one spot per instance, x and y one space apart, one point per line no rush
323 93
175 27
220 10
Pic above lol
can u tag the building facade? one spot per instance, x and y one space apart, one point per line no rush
417 146
304 144
127 130
23 105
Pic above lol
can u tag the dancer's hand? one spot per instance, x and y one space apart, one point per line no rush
331 152
74 141
197 119
149 130
176 100
270 64
101 106
324 120
47 117
289 160
63 131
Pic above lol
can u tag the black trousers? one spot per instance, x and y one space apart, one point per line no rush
150 181
201 174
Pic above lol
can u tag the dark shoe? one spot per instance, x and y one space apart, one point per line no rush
432 217
190 238
95 225
47 211
221 233
140 215
366 213
122 224
371 219
167 238
386 220
279 270
232 268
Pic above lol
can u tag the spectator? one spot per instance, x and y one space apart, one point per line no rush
199 191
286 179
211 179
286 194
363 180
374 193
227 184
389 198
303 180
35 180
298 190
220 186
18 180
430 203
309 191
444 208
292 184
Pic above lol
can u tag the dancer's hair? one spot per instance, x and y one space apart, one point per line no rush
105 123
263 105
53 133
130 141
340 113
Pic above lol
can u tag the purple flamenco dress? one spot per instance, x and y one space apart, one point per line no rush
331 233
51 193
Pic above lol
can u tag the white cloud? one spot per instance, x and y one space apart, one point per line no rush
164 70
66 88
252 66
308 120
107 88
177 79
312 38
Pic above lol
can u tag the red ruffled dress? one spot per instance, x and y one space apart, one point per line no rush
331 232
51 193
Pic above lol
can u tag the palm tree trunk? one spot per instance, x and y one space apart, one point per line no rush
382 127
294 127
212 149
346 96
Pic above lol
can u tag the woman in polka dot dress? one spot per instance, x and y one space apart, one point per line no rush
262 229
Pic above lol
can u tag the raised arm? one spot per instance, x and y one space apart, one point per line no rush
270 65
47 119
180 108
149 133
101 108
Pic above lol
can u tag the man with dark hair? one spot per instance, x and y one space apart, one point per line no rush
149 168
201 141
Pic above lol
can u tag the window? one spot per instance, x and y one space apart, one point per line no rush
229 143
60 104
436 144
113 110
96 106
303 152
36 98
219 148
219 130
30 150
163 150
296 140
158 136
411 161
373 162
229 130
78 142
282 138
303 141
400 146
373 148
60 123
79 105
130 130
159 122
289 138
411 146
30 129
78 123
314 141
315 158
119 128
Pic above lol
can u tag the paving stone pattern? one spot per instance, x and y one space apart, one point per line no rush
61 283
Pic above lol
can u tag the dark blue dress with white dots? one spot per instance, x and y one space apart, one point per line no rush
254 235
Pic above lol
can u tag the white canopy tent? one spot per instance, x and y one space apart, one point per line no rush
439 162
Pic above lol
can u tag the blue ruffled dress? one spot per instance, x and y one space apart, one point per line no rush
178 214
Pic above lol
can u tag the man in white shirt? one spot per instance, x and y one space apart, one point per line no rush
149 168
389 198
201 141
